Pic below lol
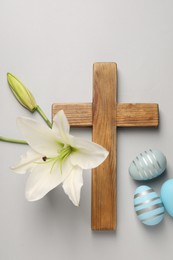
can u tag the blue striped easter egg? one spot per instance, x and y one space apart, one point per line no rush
148 206
148 165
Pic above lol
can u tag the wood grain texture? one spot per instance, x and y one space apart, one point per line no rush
137 115
104 176
78 114
126 115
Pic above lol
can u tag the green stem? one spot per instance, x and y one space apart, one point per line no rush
9 140
40 111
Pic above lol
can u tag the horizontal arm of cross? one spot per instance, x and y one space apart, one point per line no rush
126 114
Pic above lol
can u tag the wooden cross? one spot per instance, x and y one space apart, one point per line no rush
104 115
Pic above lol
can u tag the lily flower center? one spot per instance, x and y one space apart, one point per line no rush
63 154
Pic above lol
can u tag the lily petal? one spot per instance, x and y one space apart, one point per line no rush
88 155
62 128
72 185
45 177
40 137
27 162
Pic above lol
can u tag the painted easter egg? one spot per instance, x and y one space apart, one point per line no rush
148 165
148 206
166 195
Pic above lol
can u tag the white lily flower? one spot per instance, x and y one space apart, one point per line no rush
56 157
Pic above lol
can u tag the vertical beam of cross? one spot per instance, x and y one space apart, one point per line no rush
105 115
104 176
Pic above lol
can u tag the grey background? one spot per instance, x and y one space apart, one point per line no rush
51 46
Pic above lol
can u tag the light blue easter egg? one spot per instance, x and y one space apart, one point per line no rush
148 206
166 195
148 165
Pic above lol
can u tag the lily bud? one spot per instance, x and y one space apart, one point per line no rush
22 94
